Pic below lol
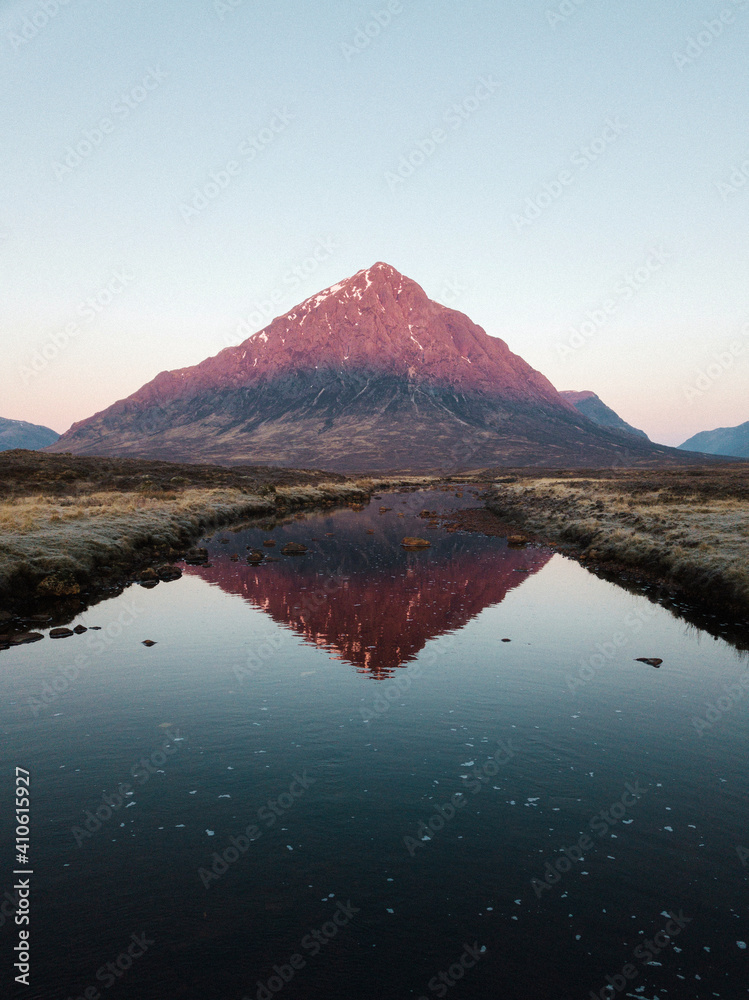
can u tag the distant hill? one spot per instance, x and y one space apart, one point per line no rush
593 407
19 434
721 441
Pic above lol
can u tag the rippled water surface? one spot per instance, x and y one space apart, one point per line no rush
332 776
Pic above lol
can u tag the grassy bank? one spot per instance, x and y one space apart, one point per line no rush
688 528
69 525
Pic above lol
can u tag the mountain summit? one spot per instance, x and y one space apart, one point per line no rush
367 375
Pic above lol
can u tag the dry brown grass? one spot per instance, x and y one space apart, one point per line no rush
687 527
80 529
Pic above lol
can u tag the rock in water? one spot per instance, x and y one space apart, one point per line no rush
652 661
168 573
416 543
293 549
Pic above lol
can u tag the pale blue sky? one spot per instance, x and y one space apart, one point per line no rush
186 88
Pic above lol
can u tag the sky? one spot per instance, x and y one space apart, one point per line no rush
572 175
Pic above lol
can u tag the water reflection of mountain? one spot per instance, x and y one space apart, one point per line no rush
361 596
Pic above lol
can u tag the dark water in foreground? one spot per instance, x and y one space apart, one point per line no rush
331 775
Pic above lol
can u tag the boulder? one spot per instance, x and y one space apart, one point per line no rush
168 573
24 637
415 543
293 549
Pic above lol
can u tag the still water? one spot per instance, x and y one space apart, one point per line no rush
332 776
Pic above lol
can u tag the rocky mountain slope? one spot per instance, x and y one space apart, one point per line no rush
593 407
368 375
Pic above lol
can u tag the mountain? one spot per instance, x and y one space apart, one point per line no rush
19 434
595 409
369 375
721 441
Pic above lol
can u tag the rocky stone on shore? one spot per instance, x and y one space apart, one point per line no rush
24 637
168 573
196 557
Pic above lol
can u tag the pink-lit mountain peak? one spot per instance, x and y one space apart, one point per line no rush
369 374
377 321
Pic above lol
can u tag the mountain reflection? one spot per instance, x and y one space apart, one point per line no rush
359 594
